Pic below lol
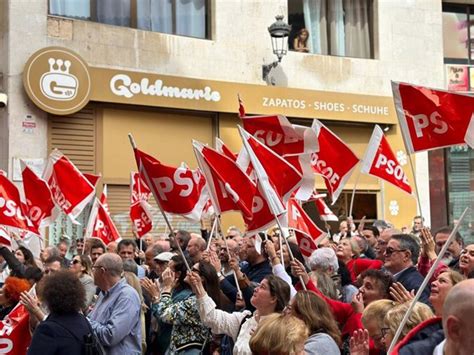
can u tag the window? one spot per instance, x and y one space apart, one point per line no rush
332 27
179 17
458 34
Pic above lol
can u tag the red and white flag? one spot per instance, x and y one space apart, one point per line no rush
5 238
100 223
380 161
335 160
307 233
278 178
177 190
324 211
13 211
71 190
223 149
15 335
232 190
432 119
39 201
139 208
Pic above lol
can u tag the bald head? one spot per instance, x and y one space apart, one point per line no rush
458 321
112 263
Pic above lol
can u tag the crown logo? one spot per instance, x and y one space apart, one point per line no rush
58 83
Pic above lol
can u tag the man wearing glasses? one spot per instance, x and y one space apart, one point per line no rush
401 256
115 319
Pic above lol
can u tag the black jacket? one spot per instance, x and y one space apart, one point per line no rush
411 279
60 334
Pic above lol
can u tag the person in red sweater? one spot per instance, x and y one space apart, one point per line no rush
348 251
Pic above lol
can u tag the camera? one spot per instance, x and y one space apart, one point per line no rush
3 99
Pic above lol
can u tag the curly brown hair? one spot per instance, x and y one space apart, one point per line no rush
63 293
13 287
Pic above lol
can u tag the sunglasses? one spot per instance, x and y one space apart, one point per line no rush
75 261
389 251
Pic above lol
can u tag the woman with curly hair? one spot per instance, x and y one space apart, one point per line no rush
10 294
64 330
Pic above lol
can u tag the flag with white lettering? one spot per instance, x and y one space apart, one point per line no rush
70 189
335 160
140 210
177 190
307 233
39 201
432 119
278 178
13 212
15 337
380 161
100 223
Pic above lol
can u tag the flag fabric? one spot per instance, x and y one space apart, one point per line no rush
93 179
223 149
324 211
380 161
307 233
431 119
302 163
177 190
139 208
13 211
278 178
5 238
335 160
15 335
100 223
39 201
70 189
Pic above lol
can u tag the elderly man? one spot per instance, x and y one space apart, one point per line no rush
63 248
224 256
401 256
49 252
115 319
148 240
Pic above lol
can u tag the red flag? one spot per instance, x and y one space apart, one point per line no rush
432 119
5 238
177 190
241 107
139 208
100 223
380 161
223 149
70 188
324 211
93 179
307 233
39 201
335 160
13 211
277 177
278 134
302 163
15 335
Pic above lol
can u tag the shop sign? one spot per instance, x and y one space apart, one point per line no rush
457 77
63 89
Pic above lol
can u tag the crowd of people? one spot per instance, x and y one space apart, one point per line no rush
239 294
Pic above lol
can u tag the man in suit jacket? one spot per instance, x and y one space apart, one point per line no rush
401 256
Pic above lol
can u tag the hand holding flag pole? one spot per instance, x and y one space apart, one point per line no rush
155 195
425 281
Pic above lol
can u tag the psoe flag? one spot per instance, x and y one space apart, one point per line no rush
380 161
432 119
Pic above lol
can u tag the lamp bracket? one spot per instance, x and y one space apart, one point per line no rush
266 68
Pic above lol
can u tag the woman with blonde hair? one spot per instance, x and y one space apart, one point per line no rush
325 336
279 334
372 319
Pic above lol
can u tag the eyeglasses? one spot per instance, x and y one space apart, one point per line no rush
389 251
75 261
384 332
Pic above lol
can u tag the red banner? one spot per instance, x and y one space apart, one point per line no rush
100 223
13 212
70 188
177 190
335 160
139 208
223 149
39 201
307 233
14 332
380 161
432 119
324 211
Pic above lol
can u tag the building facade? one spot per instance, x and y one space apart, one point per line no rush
141 56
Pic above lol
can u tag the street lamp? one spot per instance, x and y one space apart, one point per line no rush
279 32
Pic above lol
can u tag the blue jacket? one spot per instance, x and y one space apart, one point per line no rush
422 339
411 279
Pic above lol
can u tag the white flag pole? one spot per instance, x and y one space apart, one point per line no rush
212 232
418 200
425 281
353 193
155 195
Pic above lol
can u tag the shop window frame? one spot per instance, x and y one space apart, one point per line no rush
469 11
